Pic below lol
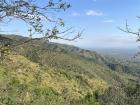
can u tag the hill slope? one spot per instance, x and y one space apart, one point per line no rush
40 73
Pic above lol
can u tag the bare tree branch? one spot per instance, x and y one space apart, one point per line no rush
129 30
35 15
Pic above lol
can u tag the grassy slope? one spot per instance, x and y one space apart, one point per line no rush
23 81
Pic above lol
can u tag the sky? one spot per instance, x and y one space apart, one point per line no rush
99 19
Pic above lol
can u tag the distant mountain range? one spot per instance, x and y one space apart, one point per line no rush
118 52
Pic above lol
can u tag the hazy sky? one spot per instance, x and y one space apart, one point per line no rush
100 19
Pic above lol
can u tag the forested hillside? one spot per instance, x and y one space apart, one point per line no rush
44 73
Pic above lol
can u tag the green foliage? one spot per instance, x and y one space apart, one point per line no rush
133 90
89 99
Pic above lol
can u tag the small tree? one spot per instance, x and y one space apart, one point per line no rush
37 16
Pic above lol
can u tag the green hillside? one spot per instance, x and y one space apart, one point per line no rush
44 73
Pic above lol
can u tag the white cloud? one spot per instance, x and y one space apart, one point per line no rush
75 14
94 13
108 21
